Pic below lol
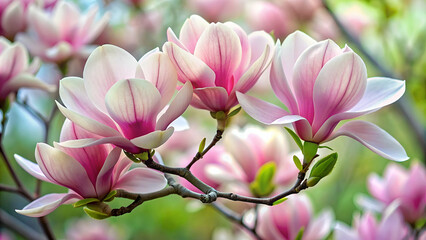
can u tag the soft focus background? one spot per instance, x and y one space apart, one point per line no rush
393 31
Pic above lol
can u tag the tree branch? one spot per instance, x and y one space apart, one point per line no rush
199 155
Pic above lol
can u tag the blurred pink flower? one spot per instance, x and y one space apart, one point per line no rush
322 84
284 221
249 149
408 187
15 72
124 101
90 172
89 229
218 59
57 36
216 10
391 227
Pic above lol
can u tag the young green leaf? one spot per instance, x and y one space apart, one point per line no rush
234 112
312 181
329 148
84 202
309 150
300 234
324 166
202 145
132 157
295 137
110 196
263 184
297 162
279 201
95 214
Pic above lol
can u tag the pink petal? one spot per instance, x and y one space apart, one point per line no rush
177 107
279 82
374 138
134 105
258 42
158 69
215 98
141 180
191 31
58 52
376 186
46 204
171 37
13 19
89 28
43 25
13 60
293 46
64 170
118 141
260 110
105 179
106 65
153 139
246 48
74 96
339 86
25 81
66 16
319 227
88 123
220 48
189 68
306 70
31 168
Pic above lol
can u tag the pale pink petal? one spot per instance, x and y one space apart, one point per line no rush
153 139
43 25
65 17
376 186
88 123
177 107
158 69
215 98
292 47
25 81
246 48
74 96
197 103
267 228
13 61
106 65
343 232
305 72
64 170
46 204
219 47
171 37
339 86
141 180
89 28
31 168
392 226
189 68
134 105
191 31
319 227
260 110
279 82
13 18
59 52
374 138
105 178
258 42
118 141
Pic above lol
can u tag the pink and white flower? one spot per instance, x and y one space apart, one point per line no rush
218 59
15 71
124 101
408 187
216 10
322 84
284 221
90 172
58 35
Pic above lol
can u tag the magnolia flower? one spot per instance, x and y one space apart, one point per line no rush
408 187
216 10
249 150
284 221
57 36
15 72
391 227
218 59
124 101
89 229
322 84
90 172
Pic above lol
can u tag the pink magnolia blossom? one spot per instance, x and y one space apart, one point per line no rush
89 229
408 187
284 221
216 10
322 84
366 227
124 101
15 71
58 35
249 149
90 172
218 59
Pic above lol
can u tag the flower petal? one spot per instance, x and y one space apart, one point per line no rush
220 48
13 60
320 226
215 98
171 37
25 81
118 141
189 68
374 138
104 181
64 170
134 105
177 107
31 168
66 16
106 65
46 204
13 19
246 47
191 31
153 139
43 25
141 180
158 69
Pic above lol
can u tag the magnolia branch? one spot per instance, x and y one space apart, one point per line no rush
199 155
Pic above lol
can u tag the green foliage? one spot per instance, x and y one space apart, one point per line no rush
295 138
93 213
309 151
110 196
324 166
297 162
202 145
85 201
279 201
263 184
300 234
234 112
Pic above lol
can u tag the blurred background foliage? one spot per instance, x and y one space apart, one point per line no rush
393 31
